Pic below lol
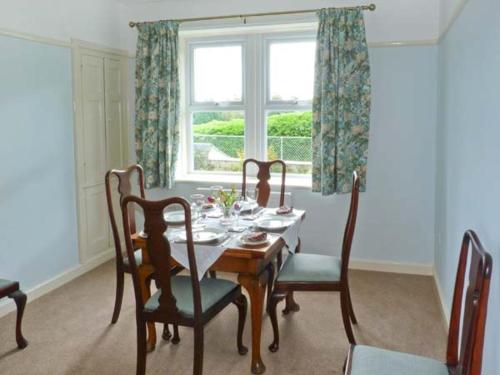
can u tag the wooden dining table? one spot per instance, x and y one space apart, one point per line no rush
251 265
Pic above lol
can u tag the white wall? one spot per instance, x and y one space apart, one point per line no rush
394 20
468 182
396 214
90 20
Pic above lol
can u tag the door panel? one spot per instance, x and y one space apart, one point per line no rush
97 227
114 113
94 131
95 220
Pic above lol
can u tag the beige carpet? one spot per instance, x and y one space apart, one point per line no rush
69 332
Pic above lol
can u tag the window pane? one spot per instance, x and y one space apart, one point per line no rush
218 141
289 139
218 74
291 70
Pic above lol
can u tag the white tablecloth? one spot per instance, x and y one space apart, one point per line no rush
207 255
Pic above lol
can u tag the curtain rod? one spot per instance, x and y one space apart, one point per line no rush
370 7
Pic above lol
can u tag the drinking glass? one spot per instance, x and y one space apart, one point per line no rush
237 210
214 193
198 200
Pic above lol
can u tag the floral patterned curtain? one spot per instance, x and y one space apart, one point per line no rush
157 102
341 104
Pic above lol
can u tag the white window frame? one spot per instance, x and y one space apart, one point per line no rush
255 102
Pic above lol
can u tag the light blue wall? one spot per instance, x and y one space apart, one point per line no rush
38 227
396 214
468 182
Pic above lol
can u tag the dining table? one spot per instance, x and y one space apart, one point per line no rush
250 263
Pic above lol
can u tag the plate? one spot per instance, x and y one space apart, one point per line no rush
245 242
275 224
204 236
175 217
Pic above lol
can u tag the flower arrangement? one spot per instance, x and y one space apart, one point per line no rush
226 199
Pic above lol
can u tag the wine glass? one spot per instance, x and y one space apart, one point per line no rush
237 210
214 192
198 200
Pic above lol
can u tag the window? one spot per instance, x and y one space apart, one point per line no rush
249 96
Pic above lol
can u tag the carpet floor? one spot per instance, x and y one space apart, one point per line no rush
69 330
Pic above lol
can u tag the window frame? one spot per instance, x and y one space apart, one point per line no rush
255 103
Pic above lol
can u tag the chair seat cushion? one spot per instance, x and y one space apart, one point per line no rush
368 360
138 259
310 268
7 287
211 290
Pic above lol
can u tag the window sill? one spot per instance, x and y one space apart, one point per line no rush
235 178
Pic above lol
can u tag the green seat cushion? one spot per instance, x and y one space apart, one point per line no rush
211 290
310 268
368 360
138 259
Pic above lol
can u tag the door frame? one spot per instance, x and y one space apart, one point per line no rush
78 48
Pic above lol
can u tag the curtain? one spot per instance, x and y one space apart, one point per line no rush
157 102
341 103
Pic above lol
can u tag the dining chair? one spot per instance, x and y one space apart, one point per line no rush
466 333
319 273
263 177
264 192
11 289
124 188
181 299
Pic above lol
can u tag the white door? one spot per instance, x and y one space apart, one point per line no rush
94 152
116 128
114 113
102 139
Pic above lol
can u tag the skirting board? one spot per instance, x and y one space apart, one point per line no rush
406 268
58 281
444 306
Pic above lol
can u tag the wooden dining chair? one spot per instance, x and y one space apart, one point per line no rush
124 189
264 193
466 332
263 177
181 299
11 289
319 273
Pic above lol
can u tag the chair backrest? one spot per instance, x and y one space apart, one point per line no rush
124 188
264 175
473 319
350 226
159 251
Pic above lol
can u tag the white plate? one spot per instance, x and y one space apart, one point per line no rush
204 236
245 242
274 224
174 217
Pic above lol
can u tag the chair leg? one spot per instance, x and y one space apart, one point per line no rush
141 347
242 304
20 300
176 339
291 305
198 350
344 306
119 294
271 310
351 310
270 282
166 335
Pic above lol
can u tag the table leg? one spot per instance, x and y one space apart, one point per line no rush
255 285
145 273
